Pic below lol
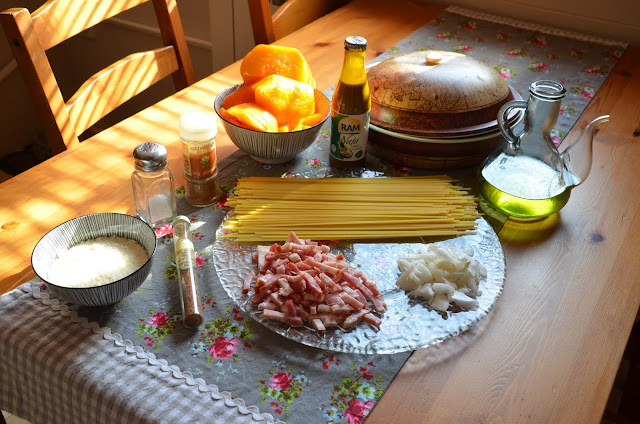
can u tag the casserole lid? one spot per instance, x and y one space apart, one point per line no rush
437 94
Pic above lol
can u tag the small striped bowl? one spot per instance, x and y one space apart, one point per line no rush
86 227
270 147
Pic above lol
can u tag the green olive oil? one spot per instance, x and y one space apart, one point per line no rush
523 187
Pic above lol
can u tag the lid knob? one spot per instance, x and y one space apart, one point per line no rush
433 58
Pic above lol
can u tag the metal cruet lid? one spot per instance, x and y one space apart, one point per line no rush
355 43
150 156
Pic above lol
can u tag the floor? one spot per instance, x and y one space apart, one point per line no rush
624 402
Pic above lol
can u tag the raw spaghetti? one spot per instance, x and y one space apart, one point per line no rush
268 209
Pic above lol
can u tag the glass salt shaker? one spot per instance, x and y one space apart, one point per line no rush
153 186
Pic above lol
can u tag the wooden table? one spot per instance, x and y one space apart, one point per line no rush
549 350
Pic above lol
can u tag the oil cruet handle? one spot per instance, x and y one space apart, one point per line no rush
503 119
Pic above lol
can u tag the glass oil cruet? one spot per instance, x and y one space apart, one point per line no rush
529 178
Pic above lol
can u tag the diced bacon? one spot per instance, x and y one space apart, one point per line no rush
371 286
303 266
333 299
293 320
294 257
285 288
280 262
275 247
293 238
299 285
324 309
257 298
300 312
271 314
378 304
261 252
357 294
351 301
317 324
268 305
275 297
322 267
270 285
314 297
254 257
286 247
372 319
329 320
354 319
264 279
341 309
297 298
292 278
302 281
246 284
304 249
311 284
328 283
289 308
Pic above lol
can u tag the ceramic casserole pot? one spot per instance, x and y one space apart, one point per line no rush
436 110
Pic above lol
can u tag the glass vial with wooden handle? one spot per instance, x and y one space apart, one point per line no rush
350 108
187 275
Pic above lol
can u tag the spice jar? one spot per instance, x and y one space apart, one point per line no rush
198 130
187 275
153 186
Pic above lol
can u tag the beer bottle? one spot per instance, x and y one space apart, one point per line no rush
350 108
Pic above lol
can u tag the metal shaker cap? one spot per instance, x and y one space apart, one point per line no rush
150 156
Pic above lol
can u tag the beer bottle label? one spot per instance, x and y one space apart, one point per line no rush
349 136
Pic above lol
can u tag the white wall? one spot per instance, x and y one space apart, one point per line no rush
613 19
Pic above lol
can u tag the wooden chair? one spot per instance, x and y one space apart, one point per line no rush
31 35
293 14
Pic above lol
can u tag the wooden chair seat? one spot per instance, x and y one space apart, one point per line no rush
30 35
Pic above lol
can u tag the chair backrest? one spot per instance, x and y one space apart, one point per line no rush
293 14
31 35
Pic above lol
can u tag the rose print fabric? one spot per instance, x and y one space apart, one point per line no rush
293 382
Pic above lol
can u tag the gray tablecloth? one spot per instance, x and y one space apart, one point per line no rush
57 367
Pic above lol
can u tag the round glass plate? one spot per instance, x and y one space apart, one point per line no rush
407 324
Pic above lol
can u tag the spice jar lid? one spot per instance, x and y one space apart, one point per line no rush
150 156
197 125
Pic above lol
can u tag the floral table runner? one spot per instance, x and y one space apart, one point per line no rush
293 382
